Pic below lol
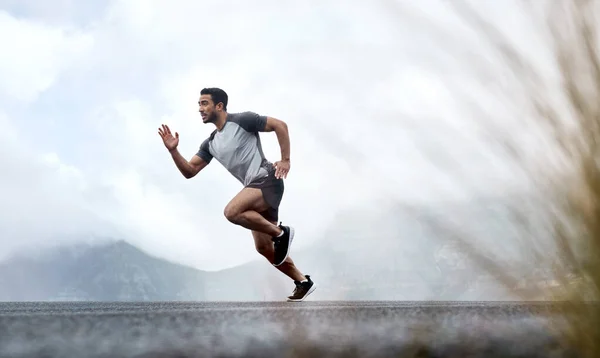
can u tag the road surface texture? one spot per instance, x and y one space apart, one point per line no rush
274 329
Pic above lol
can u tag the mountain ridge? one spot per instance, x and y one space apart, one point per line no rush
388 254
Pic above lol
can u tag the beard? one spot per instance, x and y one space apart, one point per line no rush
211 118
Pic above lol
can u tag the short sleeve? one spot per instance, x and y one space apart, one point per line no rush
204 151
251 122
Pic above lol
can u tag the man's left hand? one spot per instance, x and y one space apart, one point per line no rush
282 168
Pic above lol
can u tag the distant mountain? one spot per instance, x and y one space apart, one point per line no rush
392 254
115 271
118 271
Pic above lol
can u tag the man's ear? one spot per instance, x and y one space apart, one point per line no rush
220 106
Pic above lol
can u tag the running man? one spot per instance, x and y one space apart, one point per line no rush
235 143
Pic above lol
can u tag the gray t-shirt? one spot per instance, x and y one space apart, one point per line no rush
237 147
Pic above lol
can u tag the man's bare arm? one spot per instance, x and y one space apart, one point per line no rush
283 136
188 169
282 167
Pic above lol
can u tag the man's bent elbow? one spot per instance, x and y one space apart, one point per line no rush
281 127
191 173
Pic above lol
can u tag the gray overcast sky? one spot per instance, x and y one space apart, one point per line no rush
85 85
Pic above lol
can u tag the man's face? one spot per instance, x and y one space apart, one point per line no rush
208 111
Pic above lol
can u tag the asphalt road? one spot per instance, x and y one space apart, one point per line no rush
266 329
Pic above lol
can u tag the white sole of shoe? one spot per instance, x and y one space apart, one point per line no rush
314 286
289 246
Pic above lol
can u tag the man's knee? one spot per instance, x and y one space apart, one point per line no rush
231 213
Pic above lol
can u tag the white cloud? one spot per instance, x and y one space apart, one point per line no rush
33 55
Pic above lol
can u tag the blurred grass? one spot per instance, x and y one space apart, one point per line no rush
558 102
565 111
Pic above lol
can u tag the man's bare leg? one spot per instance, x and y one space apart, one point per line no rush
244 210
264 246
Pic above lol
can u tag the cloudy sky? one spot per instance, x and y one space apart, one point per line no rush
85 85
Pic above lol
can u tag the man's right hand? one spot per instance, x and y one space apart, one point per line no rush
171 142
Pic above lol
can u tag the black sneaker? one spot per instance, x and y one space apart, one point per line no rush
302 290
283 244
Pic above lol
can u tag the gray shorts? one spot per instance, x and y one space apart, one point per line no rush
272 191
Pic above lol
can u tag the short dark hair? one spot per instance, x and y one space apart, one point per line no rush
217 95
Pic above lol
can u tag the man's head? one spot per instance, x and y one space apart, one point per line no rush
213 102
